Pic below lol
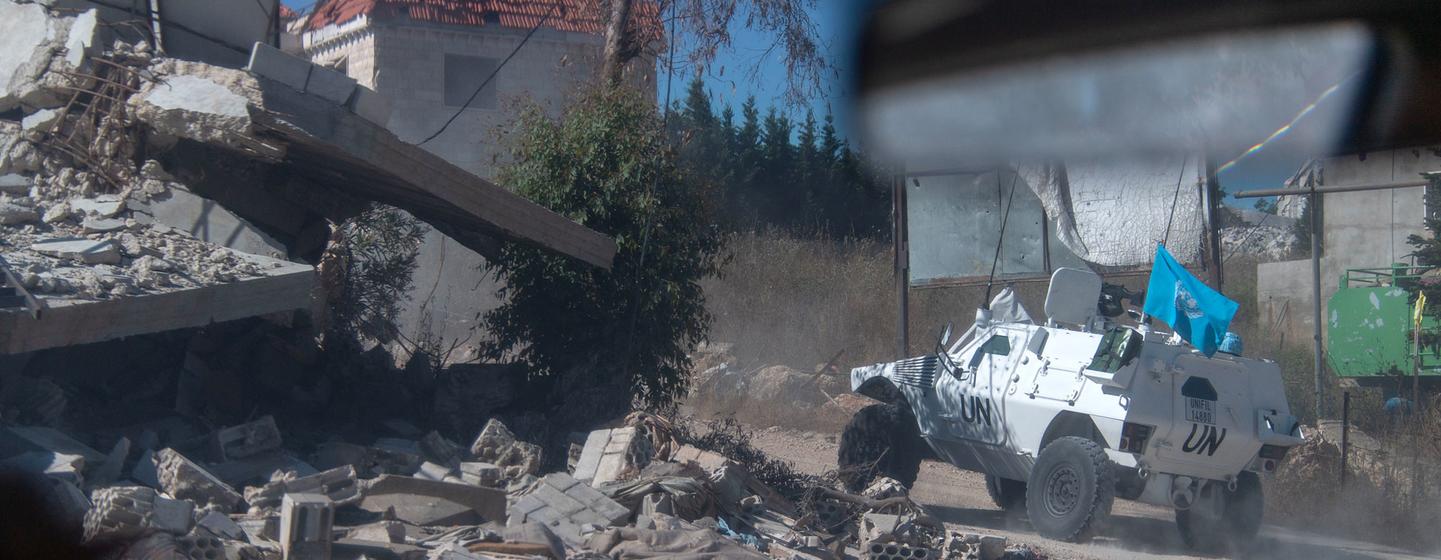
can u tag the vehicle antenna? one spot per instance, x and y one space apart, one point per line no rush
986 301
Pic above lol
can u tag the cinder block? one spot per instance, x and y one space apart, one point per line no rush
306 521
246 439
330 85
275 64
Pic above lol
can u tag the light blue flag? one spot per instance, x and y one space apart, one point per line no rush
1195 311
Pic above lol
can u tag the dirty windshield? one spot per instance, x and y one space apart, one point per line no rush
584 279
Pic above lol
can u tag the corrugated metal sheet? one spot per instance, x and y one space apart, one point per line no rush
565 15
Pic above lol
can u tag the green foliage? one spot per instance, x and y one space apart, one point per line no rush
1266 205
374 259
1428 254
775 173
608 164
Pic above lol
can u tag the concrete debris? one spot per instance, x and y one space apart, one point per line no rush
440 450
105 206
706 460
109 471
565 505
429 503
14 214
338 484
611 454
306 522
481 474
15 440
885 487
82 250
184 479
381 531
245 440
61 466
497 446
127 511
217 524
14 184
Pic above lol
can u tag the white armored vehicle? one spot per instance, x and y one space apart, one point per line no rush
1065 416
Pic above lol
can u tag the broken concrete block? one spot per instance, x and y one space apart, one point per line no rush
80 249
14 184
245 440
56 465
440 450
272 63
497 445
876 526
330 85
40 121
80 41
706 460
110 470
427 502
480 474
101 225
12 214
380 531
104 206
338 484
371 105
127 511
396 456
207 221
182 478
144 471
306 521
26 47
56 213
199 547
565 504
240 472
432 471
608 454
220 525
15 440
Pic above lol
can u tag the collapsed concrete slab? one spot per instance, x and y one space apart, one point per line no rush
426 502
565 505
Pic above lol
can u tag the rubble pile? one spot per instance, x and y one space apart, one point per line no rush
83 209
242 491
1263 242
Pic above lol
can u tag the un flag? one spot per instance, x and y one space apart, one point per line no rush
1195 311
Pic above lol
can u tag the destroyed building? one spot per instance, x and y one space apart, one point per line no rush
428 57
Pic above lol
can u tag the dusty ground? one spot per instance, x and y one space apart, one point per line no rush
1137 530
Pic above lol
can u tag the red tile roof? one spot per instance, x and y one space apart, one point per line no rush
565 15
287 13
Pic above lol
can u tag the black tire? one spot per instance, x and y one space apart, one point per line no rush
881 439
1238 525
1071 489
1009 495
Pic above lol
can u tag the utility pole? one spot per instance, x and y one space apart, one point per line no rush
902 268
1313 195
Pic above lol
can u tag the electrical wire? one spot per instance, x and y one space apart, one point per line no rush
492 75
1175 198
1006 217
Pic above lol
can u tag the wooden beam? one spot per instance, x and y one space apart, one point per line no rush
327 142
69 322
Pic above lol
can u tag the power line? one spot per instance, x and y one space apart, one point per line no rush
492 75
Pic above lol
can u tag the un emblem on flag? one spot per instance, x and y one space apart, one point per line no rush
1186 303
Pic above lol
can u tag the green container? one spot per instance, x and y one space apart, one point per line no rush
1369 327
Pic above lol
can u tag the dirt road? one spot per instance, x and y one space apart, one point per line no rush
1137 530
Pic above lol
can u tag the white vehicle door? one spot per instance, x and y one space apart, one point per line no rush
968 396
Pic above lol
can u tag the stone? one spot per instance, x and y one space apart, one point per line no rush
79 249
14 184
80 41
380 531
330 85
220 525
12 214
883 488
370 105
245 440
27 42
128 511
993 547
275 64
184 479
609 454
104 206
101 225
424 502
306 521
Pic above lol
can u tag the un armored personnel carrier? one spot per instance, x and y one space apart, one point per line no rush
1065 416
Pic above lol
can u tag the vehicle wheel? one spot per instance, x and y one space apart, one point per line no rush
1238 524
1009 495
1071 489
880 439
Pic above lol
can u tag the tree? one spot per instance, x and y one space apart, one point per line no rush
608 164
1266 205
706 25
